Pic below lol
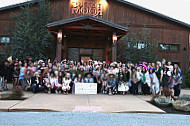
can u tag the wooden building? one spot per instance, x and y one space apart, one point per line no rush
91 28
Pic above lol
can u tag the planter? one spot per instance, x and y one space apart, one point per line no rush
162 102
181 105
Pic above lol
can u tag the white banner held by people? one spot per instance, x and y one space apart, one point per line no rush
86 88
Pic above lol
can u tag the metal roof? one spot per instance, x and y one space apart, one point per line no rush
100 20
155 13
121 1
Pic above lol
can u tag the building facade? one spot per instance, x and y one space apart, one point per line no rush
87 29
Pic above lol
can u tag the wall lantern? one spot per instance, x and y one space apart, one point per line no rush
74 3
114 37
103 3
59 35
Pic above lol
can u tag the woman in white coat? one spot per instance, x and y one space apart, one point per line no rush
66 83
154 82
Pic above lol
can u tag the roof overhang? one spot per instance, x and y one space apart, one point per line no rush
87 22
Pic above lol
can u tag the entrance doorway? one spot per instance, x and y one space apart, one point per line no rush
85 54
85 58
89 33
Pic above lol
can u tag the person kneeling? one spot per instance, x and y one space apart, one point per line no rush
66 83
36 83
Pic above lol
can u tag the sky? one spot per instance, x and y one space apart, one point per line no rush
177 9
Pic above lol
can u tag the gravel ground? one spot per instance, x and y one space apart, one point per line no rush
91 119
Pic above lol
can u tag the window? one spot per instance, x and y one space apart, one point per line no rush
5 39
139 45
169 47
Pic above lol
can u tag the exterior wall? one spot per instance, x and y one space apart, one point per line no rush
162 30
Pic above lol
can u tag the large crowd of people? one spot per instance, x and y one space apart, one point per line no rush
111 78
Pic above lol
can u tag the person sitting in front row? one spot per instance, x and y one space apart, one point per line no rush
66 83
111 86
88 79
36 84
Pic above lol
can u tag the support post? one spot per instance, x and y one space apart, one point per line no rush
114 47
65 55
59 45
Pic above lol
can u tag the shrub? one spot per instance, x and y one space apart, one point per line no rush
16 94
187 78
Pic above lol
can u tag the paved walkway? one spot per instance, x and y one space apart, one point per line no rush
79 103
82 103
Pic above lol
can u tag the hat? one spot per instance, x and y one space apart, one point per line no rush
9 58
115 63
108 62
40 61
100 63
138 68
66 67
132 67
81 67
97 66
68 74
111 73
56 59
144 63
95 63
144 66
112 65
36 73
151 68
140 65
104 61
63 61
90 60
30 59
169 73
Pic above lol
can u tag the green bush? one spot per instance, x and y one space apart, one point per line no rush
187 78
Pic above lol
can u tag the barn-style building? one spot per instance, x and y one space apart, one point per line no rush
87 29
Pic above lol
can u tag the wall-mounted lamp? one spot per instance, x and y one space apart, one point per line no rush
103 2
114 37
59 35
74 3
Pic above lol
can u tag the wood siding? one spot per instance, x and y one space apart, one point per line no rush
162 30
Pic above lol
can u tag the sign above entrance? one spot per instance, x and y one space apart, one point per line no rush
85 7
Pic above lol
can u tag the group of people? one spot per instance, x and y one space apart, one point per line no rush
111 78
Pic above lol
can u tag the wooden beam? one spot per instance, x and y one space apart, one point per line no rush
87 28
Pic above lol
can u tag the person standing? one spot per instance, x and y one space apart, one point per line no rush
145 81
166 78
4 73
159 74
21 75
177 84
134 80
15 75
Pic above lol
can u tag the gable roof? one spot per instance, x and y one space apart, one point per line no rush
85 17
121 1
